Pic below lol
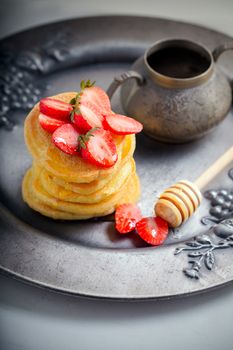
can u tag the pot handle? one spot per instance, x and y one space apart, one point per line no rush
121 79
220 49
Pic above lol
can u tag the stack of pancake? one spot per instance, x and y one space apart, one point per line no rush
63 186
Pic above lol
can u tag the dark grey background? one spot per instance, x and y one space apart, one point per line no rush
31 318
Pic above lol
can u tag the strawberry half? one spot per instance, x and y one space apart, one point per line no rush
98 98
55 108
49 124
126 217
100 148
66 139
88 118
122 125
153 230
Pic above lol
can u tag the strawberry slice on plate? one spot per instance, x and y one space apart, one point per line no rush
50 124
66 139
153 230
122 125
126 217
87 117
98 98
55 108
98 148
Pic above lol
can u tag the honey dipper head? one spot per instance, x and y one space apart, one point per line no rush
178 202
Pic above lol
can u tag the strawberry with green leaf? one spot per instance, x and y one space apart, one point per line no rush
90 106
84 126
98 148
97 98
87 117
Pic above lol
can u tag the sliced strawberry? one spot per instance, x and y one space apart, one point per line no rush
49 124
66 138
88 118
122 125
98 98
126 217
100 149
55 108
153 230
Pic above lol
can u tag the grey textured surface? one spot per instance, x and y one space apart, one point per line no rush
33 319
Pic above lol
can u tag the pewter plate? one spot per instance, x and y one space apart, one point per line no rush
90 258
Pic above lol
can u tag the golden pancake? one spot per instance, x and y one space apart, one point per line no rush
73 207
78 174
93 186
49 206
57 191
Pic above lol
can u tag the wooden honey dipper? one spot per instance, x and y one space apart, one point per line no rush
178 202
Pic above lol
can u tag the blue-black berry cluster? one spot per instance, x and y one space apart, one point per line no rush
18 89
221 202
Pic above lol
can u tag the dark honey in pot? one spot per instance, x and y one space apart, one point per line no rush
178 62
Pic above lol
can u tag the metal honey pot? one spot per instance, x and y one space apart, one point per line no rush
176 100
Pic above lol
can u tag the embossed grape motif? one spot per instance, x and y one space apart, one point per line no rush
20 73
201 249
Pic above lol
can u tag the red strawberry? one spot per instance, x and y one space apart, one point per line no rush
126 217
66 138
153 230
122 125
99 148
49 124
98 98
88 118
55 108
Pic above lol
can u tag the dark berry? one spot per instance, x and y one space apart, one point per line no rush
225 212
216 211
229 197
223 193
210 194
219 200
226 205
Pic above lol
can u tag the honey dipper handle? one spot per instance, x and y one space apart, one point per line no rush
215 169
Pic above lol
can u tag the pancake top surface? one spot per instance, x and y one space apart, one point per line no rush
40 145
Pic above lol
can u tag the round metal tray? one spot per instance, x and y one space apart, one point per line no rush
90 258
